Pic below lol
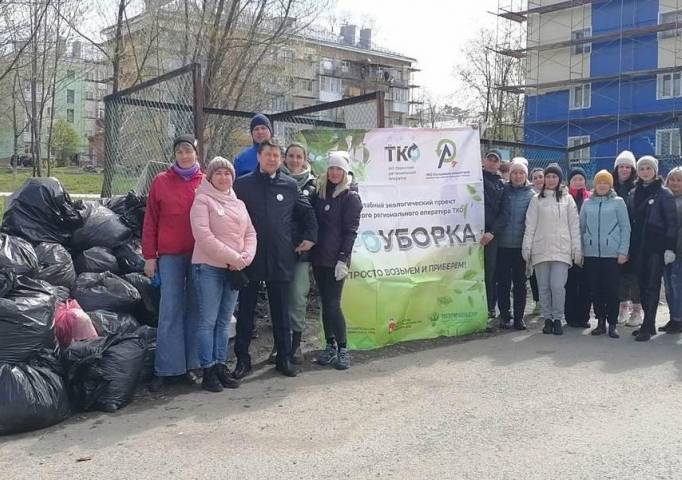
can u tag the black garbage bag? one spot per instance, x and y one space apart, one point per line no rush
108 323
129 257
147 311
96 260
18 255
149 336
105 291
56 266
33 395
7 279
101 228
26 320
41 211
130 208
103 373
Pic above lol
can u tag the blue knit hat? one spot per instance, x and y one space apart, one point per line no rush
260 119
577 171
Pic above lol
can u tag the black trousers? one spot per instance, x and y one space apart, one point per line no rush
534 287
490 261
603 275
511 269
577 306
649 274
278 298
330 289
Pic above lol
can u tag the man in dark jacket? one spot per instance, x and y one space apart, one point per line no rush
278 210
261 131
495 221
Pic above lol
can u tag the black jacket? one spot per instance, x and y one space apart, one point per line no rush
308 189
278 210
495 207
338 219
623 189
653 217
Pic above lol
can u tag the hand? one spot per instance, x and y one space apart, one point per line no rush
150 267
525 253
305 246
487 238
622 259
578 259
340 271
239 265
668 257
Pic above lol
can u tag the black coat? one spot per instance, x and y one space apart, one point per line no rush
338 219
278 210
653 217
308 189
496 216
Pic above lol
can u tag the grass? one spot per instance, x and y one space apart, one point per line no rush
73 179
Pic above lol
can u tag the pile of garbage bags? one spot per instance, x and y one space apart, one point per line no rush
77 316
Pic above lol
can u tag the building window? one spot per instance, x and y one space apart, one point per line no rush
90 94
305 85
675 17
345 66
326 65
69 116
330 84
287 56
400 95
668 142
70 96
668 85
579 35
580 96
279 103
582 155
70 74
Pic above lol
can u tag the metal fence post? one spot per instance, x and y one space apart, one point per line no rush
198 108
110 145
381 109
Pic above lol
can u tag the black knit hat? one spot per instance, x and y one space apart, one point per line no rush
556 170
577 171
186 138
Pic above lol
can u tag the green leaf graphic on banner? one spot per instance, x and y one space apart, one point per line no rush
470 274
471 301
477 198
471 189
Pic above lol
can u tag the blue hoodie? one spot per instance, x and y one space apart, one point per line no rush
246 161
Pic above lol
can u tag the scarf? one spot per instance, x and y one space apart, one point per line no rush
186 173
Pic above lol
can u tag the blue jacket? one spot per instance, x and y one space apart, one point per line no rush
246 160
516 200
605 226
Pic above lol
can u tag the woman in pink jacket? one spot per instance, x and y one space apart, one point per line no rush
225 243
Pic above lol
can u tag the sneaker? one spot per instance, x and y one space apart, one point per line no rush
549 326
636 317
504 321
557 329
327 356
342 360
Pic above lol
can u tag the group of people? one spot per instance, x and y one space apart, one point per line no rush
604 249
214 238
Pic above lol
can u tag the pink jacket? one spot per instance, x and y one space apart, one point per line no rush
223 232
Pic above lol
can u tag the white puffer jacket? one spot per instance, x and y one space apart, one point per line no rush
552 229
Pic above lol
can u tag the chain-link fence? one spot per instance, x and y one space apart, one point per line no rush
538 156
140 124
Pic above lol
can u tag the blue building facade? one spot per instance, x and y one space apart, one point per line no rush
613 80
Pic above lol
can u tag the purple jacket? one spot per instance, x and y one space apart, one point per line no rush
338 219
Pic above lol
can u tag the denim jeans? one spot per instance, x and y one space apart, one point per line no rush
672 276
215 301
298 296
176 350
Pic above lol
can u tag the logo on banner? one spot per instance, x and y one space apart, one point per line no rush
403 153
446 151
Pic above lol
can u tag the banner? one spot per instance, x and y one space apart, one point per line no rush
417 266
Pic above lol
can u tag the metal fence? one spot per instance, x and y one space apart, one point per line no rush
538 156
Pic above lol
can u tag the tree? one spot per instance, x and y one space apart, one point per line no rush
65 141
486 73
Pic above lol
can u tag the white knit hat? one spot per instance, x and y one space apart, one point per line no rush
626 157
519 163
648 160
339 159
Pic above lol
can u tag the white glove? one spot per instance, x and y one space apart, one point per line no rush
340 271
578 259
668 257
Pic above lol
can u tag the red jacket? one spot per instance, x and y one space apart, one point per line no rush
166 229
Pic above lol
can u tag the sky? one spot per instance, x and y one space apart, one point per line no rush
432 31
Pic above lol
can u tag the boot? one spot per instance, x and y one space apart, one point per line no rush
549 326
296 354
273 355
210 381
519 324
557 329
613 332
601 327
286 368
675 327
242 369
665 327
648 329
224 377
